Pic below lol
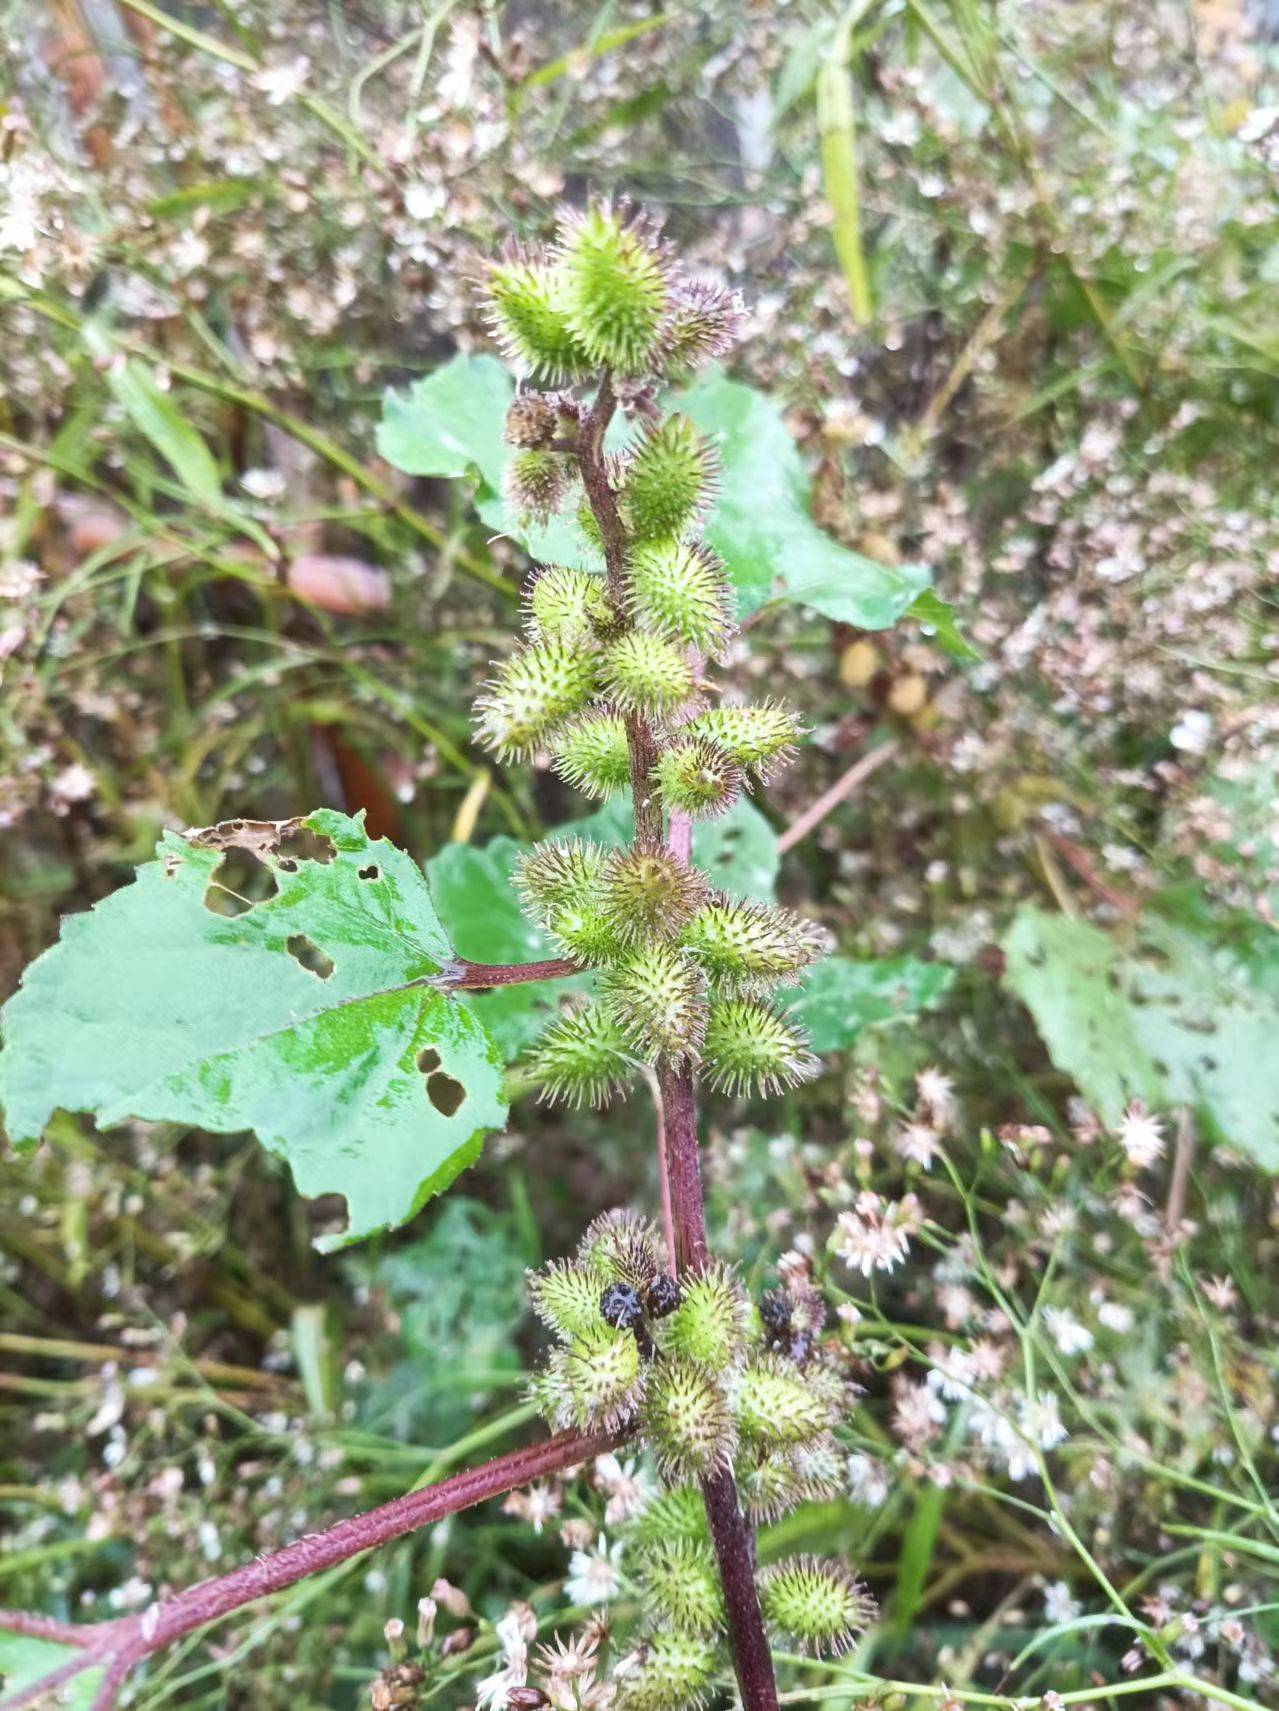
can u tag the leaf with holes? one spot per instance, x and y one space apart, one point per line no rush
839 997
1209 1020
761 525
1065 973
310 1016
1173 1016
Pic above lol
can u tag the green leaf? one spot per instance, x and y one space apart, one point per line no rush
738 850
155 416
458 1297
839 997
1174 1018
24 1661
474 892
938 616
919 1541
309 1017
1065 973
450 421
1212 1034
1250 846
761 525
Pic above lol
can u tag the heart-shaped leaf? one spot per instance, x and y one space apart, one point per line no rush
313 1016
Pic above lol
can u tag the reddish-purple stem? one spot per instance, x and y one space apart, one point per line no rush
677 1115
481 976
118 1645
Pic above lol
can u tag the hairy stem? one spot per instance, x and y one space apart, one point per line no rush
731 1533
603 503
116 1646
481 976
732 1536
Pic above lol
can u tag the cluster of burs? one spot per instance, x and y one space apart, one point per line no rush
614 668
713 1382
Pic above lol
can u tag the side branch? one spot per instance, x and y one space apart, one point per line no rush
117 1646
483 976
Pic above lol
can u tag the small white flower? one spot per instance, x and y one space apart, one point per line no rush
1192 732
74 783
952 1374
875 1236
937 1092
491 1692
1041 1422
867 1480
1141 1136
593 1576
280 83
1059 1606
1116 1317
917 1144
263 483
1070 1336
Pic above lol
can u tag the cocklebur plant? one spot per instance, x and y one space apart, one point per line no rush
198 1005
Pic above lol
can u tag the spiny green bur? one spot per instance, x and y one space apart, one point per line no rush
612 688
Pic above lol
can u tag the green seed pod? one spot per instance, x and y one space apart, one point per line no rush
568 605
603 1374
581 1059
624 1246
681 1587
687 1422
647 674
748 947
648 893
702 321
552 877
779 1479
548 1392
676 1513
674 1673
535 690
751 1049
670 478
774 1403
525 309
815 1603
657 995
566 1298
678 590
762 738
531 422
592 755
698 778
708 1328
583 931
614 288
535 485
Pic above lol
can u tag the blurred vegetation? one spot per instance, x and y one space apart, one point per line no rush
1011 273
